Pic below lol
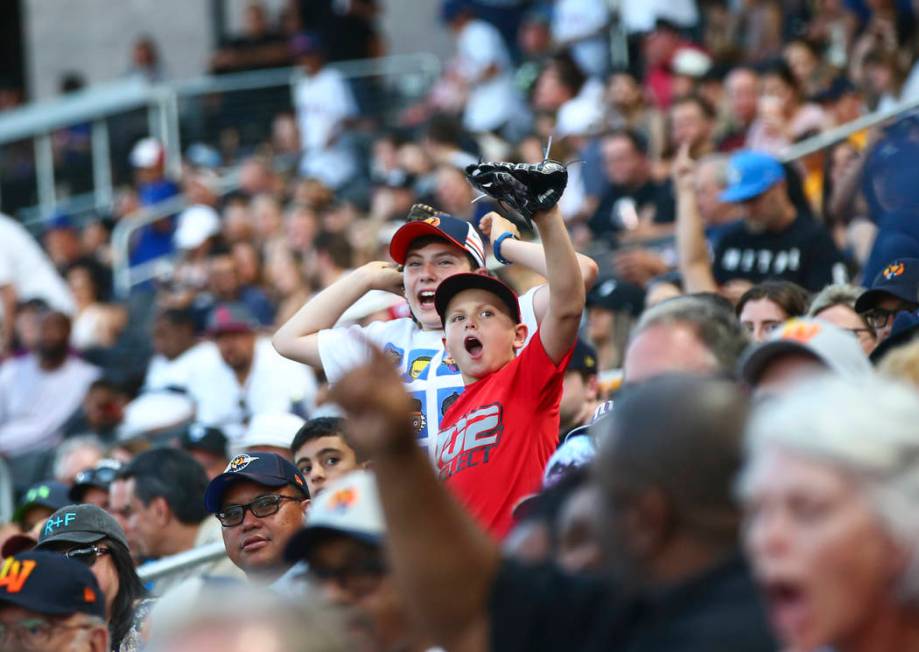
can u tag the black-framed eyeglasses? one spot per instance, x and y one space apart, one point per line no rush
879 317
33 633
88 555
357 578
261 507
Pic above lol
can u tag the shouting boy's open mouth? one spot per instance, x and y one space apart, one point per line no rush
473 346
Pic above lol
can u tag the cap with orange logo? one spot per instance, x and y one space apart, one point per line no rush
50 584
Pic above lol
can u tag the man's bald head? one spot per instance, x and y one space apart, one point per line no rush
666 471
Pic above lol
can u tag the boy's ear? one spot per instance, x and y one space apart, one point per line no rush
520 335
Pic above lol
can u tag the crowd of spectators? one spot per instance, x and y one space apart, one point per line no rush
678 413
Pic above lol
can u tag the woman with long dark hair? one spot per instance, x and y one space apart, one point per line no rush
90 535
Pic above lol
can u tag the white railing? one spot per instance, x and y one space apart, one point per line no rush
182 561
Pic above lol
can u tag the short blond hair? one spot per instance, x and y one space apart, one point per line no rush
902 364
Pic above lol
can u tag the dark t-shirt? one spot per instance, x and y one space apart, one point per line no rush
607 220
803 253
535 609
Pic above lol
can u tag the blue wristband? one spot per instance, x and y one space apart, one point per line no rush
496 247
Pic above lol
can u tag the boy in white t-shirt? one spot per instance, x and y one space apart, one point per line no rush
429 251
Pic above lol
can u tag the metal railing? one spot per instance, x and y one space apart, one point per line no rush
163 103
182 561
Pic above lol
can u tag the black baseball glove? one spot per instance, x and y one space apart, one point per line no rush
521 189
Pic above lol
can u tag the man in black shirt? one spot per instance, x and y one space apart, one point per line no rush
774 241
665 476
634 205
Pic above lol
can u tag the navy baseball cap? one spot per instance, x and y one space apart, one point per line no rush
583 358
453 285
51 494
209 439
81 524
263 468
231 318
455 231
615 295
50 584
899 279
750 174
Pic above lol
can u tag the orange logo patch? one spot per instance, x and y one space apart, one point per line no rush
433 221
13 574
800 331
893 270
89 596
342 499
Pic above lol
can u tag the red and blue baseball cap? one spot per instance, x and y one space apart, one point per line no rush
750 174
898 279
50 584
268 469
482 280
231 318
457 232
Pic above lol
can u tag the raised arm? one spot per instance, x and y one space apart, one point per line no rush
298 340
559 327
442 562
692 252
531 256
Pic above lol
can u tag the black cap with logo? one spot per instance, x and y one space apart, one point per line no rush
268 469
50 584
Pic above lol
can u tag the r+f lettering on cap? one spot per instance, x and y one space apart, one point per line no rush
59 521
14 573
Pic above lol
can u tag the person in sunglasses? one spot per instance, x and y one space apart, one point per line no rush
91 536
50 604
260 500
895 289
343 547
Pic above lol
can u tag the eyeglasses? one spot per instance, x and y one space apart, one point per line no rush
261 507
879 317
357 578
33 633
87 556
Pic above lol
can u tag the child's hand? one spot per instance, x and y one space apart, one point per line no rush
493 225
381 275
377 406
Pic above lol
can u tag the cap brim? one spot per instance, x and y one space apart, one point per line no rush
408 233
871 298
741 193
73 536
300 545
16 544
36 603
453 285
753 364
214 494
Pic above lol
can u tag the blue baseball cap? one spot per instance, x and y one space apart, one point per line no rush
455 231
750 174
260 467
50 584
898 279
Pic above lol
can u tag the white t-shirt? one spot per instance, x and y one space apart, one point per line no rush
323 101
163 373
25 266
432 379
640 15
275 384
572 19
492 102
35 403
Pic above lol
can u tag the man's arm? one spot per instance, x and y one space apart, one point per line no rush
298 338
443 564
692 252
559 327
531 256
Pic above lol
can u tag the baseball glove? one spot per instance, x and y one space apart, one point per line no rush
521 189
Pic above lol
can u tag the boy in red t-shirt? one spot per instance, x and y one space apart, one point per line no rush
496 438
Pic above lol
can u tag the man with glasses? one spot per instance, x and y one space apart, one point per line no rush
50 603
342 546
894 290
260 500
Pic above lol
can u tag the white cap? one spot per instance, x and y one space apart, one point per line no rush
147 153
691 62
270 429
837 349
196 224
579 117
153 412
350 505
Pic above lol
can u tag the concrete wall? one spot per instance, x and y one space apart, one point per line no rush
94 38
